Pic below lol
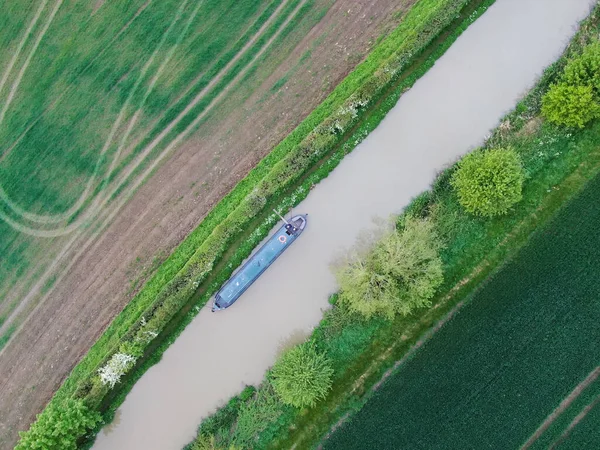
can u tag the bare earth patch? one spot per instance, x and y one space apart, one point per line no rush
170 204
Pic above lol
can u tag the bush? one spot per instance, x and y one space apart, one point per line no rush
489 182
401 272
572 106
584 70
208 442
59 427
255 415
302 376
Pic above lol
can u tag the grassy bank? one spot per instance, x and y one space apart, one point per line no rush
207 257
558 163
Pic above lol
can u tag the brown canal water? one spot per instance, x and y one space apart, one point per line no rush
448 112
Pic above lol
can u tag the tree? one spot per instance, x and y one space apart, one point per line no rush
572 106
400 273
301 376
489 182
59 427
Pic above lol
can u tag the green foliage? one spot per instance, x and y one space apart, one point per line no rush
302 375
489 182
584 69
572 106
401 272
59 427
576 99
255 415
208 442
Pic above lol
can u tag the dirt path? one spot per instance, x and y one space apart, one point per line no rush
593 375
172 202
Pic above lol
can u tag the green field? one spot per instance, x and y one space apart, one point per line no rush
84 93
492 375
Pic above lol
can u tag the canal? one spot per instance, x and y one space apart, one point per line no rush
447 113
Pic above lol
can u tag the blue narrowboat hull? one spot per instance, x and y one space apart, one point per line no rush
259 262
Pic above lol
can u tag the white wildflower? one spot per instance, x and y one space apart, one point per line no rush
114 369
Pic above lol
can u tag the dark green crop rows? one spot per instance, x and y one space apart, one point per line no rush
491 376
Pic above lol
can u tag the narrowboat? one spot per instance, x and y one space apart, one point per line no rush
259 262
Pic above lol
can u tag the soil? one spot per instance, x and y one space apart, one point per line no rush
172 203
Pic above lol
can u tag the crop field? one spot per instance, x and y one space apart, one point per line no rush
121 125
518 366
78 124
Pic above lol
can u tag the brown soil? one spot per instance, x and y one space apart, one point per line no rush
172 203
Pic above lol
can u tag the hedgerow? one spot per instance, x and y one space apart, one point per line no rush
59 426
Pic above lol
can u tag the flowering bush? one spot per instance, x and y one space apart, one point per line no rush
114 369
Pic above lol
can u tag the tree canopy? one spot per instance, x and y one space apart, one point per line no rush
302 375
400 273
59 427
489 182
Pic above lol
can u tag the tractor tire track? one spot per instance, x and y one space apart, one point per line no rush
116 125
21 45
578 418
17 81
69 89
564 404
28 298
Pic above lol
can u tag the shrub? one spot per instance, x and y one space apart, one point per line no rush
584 70
302 376
401 272
572 106
116 367
59 427
489 182
255 415
208 442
